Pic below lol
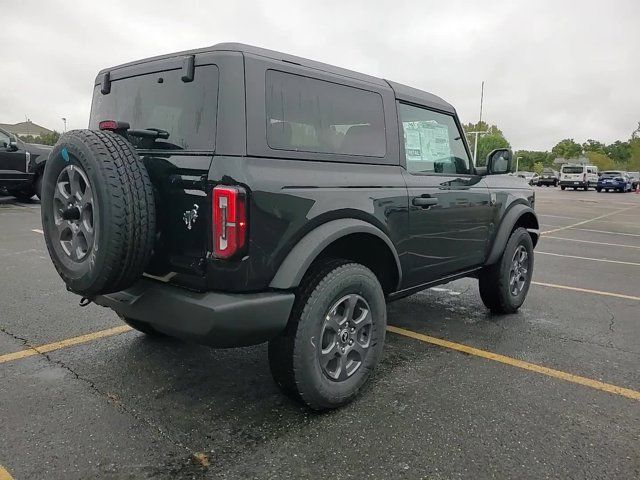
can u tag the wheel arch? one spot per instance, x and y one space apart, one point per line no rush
517 216
347 238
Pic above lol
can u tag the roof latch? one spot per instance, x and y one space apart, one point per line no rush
105 87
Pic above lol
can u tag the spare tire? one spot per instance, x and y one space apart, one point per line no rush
98 212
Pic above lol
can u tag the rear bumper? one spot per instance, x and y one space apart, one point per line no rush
210 318
547 181
613 186
575 183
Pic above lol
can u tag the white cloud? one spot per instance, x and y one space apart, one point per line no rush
552 69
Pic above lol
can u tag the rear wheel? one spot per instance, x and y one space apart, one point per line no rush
24 195
562 187
335 336
598 189
504 285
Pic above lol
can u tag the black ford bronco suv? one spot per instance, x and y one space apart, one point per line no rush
234 195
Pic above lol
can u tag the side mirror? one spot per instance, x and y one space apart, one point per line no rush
499 161
13 144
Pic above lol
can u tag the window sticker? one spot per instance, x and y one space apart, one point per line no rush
426 141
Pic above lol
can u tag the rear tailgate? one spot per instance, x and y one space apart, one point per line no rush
156 95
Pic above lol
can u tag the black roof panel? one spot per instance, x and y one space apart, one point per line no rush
402 92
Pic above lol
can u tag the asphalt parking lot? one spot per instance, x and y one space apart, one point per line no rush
550 392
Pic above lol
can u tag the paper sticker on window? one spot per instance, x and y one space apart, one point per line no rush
426 141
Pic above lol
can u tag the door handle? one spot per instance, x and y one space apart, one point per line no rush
425 202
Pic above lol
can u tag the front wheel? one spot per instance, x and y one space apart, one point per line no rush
598 189
562 187
504 285
335 336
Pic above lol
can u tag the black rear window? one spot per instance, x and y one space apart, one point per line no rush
572 169
186 110
611 174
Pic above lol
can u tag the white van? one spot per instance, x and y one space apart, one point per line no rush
578 176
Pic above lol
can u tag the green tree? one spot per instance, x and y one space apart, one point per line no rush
486 142
593 146
46 139
619 152
528 158
567 148
601 161
538 167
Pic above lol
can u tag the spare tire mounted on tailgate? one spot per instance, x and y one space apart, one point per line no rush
98 212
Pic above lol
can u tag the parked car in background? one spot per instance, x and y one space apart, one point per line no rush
21 166
615 180
578 176
549 177
635 179
530 177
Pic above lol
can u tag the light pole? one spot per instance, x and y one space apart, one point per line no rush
517 163
478 132
64 120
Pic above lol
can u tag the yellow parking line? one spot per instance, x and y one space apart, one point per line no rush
588 221
591 241
4 474
586 290
49 347
589 258
514 362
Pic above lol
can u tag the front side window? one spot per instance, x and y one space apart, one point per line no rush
4 139
432 142
311 115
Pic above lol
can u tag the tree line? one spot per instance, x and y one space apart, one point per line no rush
619 155
44 139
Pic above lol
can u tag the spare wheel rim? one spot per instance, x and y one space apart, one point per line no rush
74 213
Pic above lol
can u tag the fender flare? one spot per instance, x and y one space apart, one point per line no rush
506 226
298 260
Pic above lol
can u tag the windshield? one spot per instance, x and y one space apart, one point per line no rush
186 111
572 169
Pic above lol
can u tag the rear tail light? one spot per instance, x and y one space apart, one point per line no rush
113 126
229 221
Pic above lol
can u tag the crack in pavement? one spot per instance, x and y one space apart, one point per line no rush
111 398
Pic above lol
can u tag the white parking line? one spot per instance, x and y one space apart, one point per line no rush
586 290
588 221
588 258
590 241
37 230
610 233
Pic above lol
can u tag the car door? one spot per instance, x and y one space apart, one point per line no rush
450 210
12 160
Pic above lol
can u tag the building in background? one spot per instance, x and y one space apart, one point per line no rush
24 129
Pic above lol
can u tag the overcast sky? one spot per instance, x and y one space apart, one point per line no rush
553 69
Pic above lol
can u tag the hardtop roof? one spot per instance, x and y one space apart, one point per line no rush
402 92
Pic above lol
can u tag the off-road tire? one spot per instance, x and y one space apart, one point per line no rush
293 357
494 279
124 229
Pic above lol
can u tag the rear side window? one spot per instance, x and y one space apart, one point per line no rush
310 115
432 141
186 110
